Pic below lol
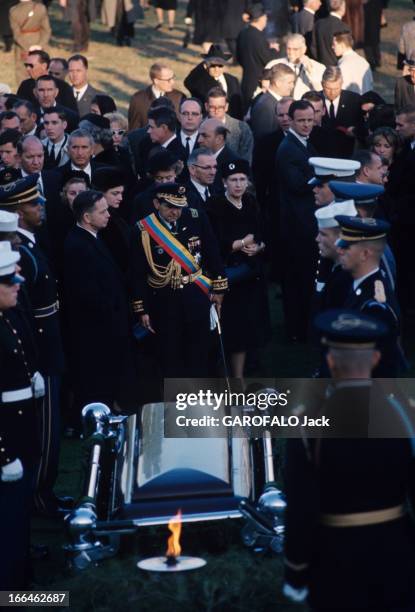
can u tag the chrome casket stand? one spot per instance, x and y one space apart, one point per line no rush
138 477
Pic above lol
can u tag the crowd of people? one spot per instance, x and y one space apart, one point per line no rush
121 237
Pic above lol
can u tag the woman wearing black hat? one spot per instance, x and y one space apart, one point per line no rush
117 235
236 222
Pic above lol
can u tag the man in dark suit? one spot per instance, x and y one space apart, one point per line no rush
263 115
46 92
303 21
209 74
343 111
372 24
97 307
324 29
327 140
162 84
80 151
400 190
202 170
298 224
37 65
405 87
253 52
161 133
212 135
83 92
266 181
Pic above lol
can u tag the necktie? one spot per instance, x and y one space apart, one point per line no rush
187 147
52 152
173 227
332 114
77 94
207 194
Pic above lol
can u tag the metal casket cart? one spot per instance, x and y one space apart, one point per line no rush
136 477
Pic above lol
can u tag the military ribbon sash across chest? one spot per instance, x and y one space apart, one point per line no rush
176 250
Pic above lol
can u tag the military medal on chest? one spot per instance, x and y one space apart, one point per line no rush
194 246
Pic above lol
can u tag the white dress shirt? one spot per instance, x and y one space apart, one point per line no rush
78 93
300 138
192 139
166 144
87 170
201 189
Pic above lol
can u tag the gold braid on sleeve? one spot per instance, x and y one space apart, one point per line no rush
161 276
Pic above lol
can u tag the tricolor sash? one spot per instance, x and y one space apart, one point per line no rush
163 237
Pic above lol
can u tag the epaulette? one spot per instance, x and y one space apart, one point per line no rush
140 226
194 212
380 295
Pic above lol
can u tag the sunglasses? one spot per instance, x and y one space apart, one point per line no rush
118 132
215 65
27 65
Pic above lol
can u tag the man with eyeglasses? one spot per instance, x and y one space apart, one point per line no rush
37 65
202 168
240 138
191 116
211 73
162 84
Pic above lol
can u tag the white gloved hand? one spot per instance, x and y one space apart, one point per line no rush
12 471
296 595
38 385
213 317
188 20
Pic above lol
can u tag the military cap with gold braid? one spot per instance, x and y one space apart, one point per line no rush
356 229
172 195
348 329
22 191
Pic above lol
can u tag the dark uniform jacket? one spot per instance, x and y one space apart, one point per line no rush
375 297
199 83
42 290
192 224
370 566
18 363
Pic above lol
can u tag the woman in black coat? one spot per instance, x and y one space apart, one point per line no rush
235 219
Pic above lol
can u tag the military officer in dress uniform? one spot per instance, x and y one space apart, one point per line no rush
22 196
361 245
331 290
19 383
330 169
180 274
348 536
30 25
365 197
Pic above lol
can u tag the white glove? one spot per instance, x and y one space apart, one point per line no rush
188 20
296 595
213 317
38 385
12 471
